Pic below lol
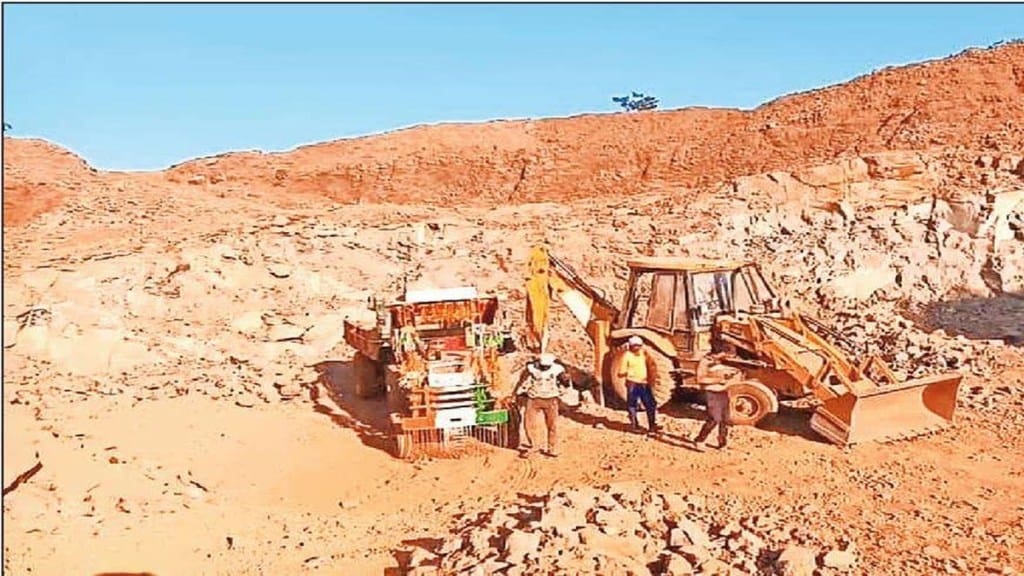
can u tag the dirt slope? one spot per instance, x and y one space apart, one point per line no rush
918 107
973 101
37 177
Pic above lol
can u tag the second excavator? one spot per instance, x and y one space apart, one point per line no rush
716 322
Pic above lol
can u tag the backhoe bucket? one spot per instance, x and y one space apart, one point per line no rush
889 413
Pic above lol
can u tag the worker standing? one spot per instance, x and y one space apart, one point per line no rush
637 373
540 384
717 415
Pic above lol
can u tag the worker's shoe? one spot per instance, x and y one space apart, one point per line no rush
550 453
698 446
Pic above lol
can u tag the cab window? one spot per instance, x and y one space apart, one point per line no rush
659 314
712 295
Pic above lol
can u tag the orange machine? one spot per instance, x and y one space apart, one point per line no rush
719 322
434 356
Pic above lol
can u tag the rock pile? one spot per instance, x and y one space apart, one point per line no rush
626 529
877 275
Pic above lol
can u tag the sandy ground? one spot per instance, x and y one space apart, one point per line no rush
211 489
173 352
156 467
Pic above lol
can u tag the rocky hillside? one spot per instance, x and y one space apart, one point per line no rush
974 100
37 177
938 118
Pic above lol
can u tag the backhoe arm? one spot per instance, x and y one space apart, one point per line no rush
549 277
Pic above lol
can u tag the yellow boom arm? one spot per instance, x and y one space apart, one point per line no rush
549 277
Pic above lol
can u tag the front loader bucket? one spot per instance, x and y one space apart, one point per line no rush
888 413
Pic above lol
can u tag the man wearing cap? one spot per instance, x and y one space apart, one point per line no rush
540 384
717 415
637 374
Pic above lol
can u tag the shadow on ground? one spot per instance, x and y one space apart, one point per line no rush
997 318
792 421
689 405
367 417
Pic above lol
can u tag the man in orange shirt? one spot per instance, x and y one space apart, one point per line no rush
635 371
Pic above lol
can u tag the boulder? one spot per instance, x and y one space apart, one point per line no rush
697 555
289 391
419 557
862 283
279 270
715 567
824 175
687 532
676 565
617 521
478 540
563 519
627 548
896 165
518 544
797 561
840 559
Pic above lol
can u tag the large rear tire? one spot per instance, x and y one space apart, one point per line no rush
369 381
749 403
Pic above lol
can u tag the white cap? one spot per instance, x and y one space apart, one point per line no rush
546 359
635 341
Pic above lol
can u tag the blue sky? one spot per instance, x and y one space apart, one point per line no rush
146 86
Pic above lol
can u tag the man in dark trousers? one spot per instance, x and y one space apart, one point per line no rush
637 370
717 415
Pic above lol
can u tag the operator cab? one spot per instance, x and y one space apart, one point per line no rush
680 298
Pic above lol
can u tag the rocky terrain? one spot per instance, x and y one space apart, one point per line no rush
177 393
629 528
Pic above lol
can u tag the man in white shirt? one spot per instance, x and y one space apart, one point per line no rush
541 383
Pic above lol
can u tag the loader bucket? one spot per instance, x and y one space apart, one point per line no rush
889 413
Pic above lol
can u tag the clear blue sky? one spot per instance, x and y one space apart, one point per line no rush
146 86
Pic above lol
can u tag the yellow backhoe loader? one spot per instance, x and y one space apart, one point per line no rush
713 322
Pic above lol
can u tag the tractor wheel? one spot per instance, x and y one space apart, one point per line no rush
664 385
403 445
368 381
504 435
749 402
